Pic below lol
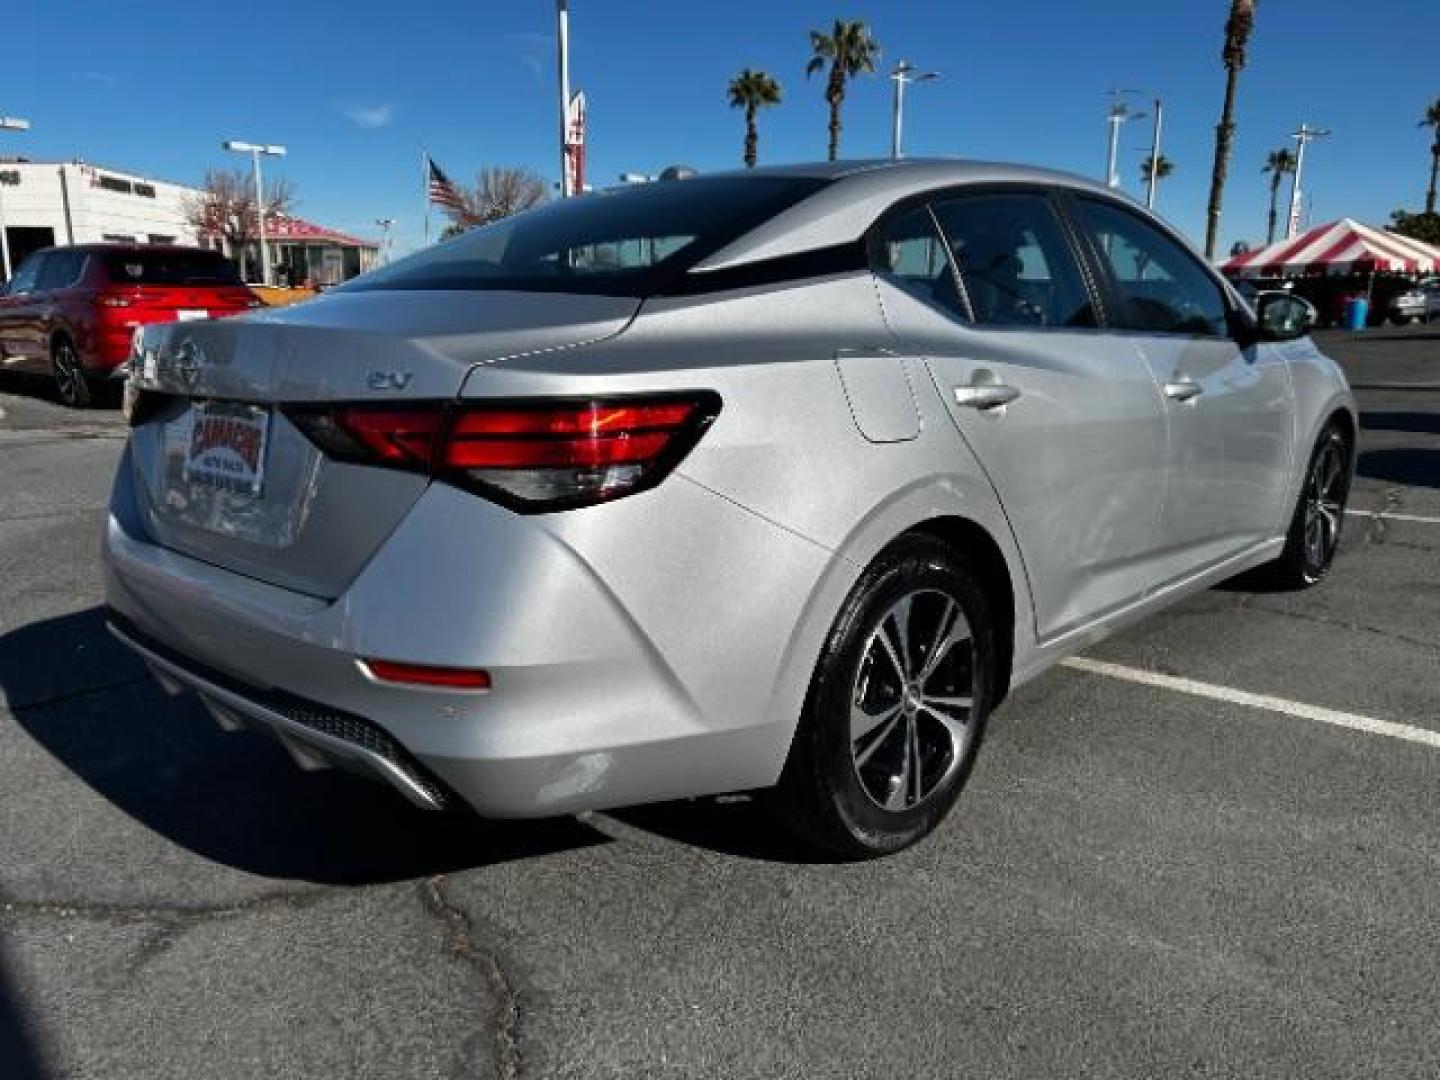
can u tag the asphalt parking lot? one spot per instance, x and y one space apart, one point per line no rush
1150 875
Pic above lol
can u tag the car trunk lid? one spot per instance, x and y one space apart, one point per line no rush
224 476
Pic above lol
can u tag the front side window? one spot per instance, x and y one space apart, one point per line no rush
1015 261
616 243
1161 287
909 252
24 278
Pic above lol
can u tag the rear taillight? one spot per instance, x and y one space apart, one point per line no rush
532 456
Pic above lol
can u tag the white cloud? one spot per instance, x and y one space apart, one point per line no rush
376 116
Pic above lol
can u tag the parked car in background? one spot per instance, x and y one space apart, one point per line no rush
71 312
1409 306
1432 300
767 480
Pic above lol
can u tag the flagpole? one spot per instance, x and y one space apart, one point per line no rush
562 39
425 189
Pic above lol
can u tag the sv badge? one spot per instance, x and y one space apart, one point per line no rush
389 380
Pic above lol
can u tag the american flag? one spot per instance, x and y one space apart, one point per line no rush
443 191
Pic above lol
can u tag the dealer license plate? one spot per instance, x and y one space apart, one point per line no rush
227 446
191 314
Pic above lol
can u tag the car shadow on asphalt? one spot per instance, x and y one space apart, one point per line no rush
1425 423
739 825
1413 466
234 798
19 1056
24 384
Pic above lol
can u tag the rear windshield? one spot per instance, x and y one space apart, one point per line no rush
622 242
170 268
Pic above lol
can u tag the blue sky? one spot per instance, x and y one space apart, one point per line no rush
355 88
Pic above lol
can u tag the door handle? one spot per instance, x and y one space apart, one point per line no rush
1183 389
985 396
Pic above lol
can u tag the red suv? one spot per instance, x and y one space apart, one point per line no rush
71 311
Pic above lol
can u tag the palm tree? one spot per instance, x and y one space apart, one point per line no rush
1432 121
850 51
1163 168
752 91
1279 164
1238 28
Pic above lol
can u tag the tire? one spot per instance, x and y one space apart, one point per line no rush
861 788
74 387
1319 517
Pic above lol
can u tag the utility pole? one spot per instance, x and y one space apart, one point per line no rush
1303 138
8 123
905 72
562 37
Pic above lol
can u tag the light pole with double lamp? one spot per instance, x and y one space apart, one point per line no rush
386 224
7 123
1120 112
905 72
1303 138
255 150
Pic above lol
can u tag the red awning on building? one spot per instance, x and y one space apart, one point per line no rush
1342 247
285 227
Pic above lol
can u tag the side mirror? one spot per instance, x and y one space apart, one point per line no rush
1284 316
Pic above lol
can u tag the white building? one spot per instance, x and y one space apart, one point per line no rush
51 202
45 203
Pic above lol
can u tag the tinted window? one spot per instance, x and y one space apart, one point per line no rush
909 252
23 280
1015 261
1162 287
61 270
169 268
619 242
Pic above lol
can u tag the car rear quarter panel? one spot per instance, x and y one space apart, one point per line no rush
787 452
1320 392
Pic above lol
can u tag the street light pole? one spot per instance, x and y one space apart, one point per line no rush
562 38
1119 113
1303 138
386 224
7 123
1155 153
904 73
255 150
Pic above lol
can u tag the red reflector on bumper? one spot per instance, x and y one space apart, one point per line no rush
422 675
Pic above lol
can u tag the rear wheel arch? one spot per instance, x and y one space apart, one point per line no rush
1344 419
976 547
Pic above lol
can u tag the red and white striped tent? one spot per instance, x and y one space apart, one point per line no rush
1342 247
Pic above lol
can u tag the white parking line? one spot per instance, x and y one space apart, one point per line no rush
1385 515
1333 717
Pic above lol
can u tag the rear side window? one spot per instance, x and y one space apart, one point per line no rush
908 251
171 267
1161 287
60 270
619 243
1016 262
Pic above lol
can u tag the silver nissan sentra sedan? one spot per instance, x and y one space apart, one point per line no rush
767 480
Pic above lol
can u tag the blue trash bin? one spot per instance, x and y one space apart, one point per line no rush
1356 312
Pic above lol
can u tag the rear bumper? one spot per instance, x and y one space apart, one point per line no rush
602 696
315 736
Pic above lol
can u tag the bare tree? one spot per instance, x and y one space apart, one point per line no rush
225 207
498 192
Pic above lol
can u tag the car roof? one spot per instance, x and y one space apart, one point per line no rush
859 192
119 248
